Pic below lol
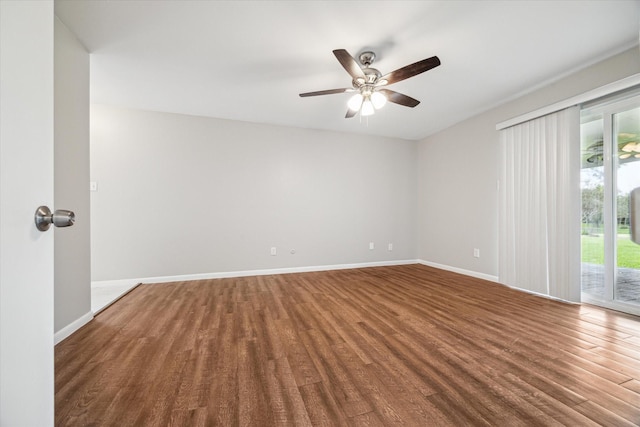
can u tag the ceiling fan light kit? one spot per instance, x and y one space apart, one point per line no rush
378 100
369 84
355 102
367 108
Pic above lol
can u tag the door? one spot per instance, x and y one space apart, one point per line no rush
26 181
610 172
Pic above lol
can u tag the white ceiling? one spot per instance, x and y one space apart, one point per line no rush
249 60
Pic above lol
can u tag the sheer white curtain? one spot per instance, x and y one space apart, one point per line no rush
539 223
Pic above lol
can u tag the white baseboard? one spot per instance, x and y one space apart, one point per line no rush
539 294
72 327
459 270
119 282
489 278
229 274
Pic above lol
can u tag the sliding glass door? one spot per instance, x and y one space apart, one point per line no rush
610 171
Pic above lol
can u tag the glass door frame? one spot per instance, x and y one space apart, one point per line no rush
607 111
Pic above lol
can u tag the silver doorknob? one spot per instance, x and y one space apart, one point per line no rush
60 218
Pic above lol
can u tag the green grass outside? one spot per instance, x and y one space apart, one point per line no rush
628 252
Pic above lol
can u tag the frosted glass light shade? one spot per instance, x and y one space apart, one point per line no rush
378 100
355 102
367 108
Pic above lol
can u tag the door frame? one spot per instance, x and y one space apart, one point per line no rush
608 109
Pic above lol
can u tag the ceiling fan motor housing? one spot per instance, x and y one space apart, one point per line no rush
371 76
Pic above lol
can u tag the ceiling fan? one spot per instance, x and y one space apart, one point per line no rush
369 85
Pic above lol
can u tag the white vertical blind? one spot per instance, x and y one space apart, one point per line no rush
539 224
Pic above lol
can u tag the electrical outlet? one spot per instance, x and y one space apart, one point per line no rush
372 245
390 247
476 253
274 251
93 186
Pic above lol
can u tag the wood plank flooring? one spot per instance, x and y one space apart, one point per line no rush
405 345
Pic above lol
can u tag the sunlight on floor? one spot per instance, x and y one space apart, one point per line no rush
103 296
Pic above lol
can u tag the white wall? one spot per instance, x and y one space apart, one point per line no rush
458 172
72 290
182 195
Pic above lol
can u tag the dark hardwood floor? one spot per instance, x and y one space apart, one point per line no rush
406 345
